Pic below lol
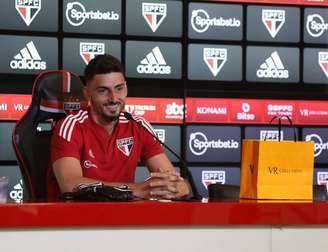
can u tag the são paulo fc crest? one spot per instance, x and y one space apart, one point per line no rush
273 20
215 58
28 9
323 62
125 145
154 14
213 177
89 50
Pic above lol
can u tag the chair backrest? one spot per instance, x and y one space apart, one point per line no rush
55 94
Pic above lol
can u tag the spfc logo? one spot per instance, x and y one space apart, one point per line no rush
28 9
89 50
273 20
215 58
323 62
213 177
125 145
154 14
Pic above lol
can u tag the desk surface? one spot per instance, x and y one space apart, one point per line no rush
161 214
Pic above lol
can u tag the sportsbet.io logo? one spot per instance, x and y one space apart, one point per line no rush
319 145
199 144
201 21
76 14
315 25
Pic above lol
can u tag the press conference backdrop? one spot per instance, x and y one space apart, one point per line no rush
176 49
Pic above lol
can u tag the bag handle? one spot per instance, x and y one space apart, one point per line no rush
279 125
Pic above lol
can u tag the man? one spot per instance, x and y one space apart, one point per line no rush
100 144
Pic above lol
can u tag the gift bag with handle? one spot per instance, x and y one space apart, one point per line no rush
277 169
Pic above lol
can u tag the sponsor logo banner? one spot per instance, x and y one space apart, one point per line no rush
207 110
312 112
13 107
248 111
160 110
279 108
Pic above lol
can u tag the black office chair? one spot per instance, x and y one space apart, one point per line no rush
55 94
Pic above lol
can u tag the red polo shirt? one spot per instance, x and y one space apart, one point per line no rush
111 158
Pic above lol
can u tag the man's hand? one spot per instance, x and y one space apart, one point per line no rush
162 185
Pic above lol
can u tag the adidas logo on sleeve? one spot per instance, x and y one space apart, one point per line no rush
154 63
272 68
28 58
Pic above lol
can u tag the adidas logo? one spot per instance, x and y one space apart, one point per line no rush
28 58
272 68
154 63
17 193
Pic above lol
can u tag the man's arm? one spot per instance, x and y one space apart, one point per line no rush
165 181
68 173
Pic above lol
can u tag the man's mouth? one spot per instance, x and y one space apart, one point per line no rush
112 106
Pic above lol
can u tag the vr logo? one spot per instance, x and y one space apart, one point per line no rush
215 58
154 14
89 50
323 62
273 20
28 9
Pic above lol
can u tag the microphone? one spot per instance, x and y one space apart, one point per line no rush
185 172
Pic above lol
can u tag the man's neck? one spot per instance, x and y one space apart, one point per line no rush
107 124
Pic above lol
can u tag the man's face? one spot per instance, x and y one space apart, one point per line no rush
107 94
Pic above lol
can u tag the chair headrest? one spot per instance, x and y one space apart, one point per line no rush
56 94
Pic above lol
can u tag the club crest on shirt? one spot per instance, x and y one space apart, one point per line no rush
125 145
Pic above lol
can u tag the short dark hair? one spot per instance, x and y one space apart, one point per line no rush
102 64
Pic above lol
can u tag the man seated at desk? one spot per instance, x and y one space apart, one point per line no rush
100 145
